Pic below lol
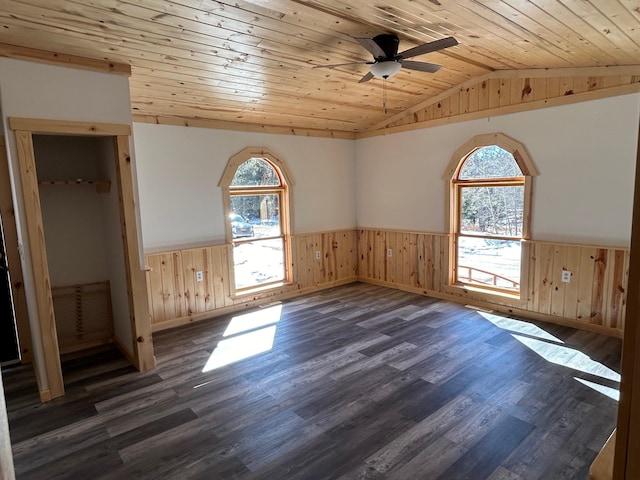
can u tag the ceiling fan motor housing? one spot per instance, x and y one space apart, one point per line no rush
389 44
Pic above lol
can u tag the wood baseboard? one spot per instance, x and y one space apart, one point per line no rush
543 317
248 303
45 395
85 346
255 301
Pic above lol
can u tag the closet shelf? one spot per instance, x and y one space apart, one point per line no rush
102 186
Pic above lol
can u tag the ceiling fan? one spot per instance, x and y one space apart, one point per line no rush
386 59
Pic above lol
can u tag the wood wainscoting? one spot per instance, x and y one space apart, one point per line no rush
594 299
175 298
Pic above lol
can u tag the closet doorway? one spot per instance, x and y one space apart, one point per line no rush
15 318
77 186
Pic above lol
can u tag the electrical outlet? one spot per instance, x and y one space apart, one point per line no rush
389 252
318 255
566 276
199 276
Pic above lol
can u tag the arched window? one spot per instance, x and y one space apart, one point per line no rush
490 204
256 198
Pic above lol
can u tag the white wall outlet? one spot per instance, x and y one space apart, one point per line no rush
199 276
318 255
566 276
389 252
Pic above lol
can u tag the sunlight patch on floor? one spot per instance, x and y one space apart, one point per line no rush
247 335
568 357
519 326
608 391
540 341
252 320
240 347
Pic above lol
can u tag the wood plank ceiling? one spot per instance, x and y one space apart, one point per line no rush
251 61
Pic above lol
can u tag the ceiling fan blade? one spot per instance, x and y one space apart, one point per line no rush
372 47
429 47
421 66
366 78
342 64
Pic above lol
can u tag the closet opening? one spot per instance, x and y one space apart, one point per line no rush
90 288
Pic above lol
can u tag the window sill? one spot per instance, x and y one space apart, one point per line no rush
261 289
487 295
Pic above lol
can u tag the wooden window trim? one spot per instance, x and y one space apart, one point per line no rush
453 190
284 191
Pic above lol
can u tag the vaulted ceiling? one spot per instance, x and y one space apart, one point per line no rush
251 61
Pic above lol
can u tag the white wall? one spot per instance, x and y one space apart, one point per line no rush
46 91
585 154
179 169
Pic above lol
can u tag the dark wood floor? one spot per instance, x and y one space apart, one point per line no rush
362 382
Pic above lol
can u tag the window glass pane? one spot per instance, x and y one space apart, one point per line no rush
255 216
258 262
492 210
255 171
489 162
489 262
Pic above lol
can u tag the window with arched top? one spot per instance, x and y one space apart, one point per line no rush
490 180
256 193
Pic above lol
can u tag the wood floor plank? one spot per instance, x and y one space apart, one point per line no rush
430 462
487 454
415 440
362 382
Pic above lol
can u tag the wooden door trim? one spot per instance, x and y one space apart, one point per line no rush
14 264
67 127
142 343
136 277
626 464
40 268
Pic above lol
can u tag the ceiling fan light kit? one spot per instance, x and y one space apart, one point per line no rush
385 69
